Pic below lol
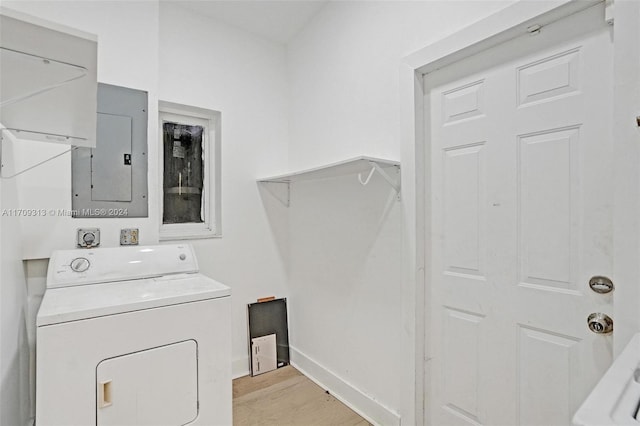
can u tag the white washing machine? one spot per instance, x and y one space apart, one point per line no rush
133 336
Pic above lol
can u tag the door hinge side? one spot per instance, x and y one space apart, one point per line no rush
608 11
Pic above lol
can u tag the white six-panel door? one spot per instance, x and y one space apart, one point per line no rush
521 200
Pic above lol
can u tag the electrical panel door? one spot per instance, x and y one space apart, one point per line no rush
111 159
111 179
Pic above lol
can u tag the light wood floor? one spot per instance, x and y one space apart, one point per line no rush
286 397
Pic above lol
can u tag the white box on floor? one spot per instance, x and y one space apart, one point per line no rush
263 354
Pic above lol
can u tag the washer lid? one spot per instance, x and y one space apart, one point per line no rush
90 301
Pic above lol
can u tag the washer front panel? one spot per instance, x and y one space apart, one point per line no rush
69 353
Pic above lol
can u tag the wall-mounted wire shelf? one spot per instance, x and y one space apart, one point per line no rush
364 167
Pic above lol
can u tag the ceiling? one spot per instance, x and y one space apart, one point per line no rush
277 21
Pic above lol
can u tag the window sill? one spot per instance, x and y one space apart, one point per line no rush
187 232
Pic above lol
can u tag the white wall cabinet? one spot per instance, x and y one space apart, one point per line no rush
48 81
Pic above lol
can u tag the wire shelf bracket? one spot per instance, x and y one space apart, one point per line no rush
375 167
4 134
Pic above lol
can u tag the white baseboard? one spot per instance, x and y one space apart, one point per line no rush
366 406
240 367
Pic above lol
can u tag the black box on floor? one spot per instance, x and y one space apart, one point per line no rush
266 318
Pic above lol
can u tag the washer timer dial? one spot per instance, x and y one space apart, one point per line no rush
80 264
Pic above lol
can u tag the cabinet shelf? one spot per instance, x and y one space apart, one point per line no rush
48 81
25 75
48 84
363 166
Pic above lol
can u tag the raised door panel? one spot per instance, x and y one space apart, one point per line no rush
546 377
463 102
549 207
464 226
549 78
461 374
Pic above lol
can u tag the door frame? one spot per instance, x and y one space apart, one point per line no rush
506 24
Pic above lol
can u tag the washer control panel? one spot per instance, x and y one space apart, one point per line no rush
99 265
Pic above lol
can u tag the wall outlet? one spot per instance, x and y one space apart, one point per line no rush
88 237
129 237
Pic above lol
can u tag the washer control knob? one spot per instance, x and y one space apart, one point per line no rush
183 256
80 264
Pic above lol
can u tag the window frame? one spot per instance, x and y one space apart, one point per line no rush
211 227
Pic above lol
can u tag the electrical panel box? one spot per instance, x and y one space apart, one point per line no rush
110 180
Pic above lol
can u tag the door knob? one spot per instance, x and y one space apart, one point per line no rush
600 323
600 284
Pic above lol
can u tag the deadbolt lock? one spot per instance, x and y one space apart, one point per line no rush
600 323
600 284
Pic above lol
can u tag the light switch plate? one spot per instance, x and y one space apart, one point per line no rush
129 237
88 237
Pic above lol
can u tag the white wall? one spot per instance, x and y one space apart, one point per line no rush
344 72
209 64
14 350
233 72
332 94
345 287
127 56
